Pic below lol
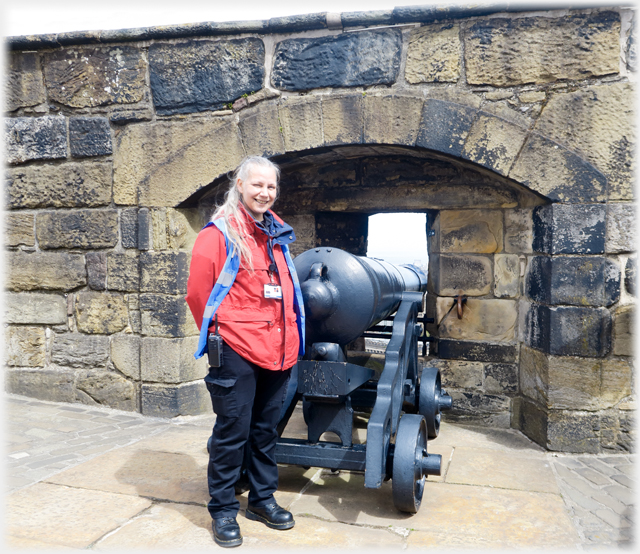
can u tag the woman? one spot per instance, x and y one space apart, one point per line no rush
242 272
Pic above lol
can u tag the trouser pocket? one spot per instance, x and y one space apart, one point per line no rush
223 395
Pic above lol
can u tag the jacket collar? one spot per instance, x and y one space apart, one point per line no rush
276 228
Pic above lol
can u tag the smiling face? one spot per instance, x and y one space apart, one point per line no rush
259 190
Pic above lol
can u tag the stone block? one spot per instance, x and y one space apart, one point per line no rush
158 228
50 385
597 122
443 306
145 229
77 229
25 346
125 354
506 275
100 312
434 54
557 173
195 76
342 119
500 378
89 136
88 76
357 59
450 275
458 374
129 228
508 52
175 400
493 142
24 86
569 229
19 229
304 227
573 432
630 276
391 119
123 272
477 404
301 122
166 316
107 388
35 308
80 351
164 272
183 227
261 130
169 361
35 138
45 270
123 115
68 185
97 270
621 228
518 231
624 331
468 231
490 319
530 418
135 320
477 351
445 126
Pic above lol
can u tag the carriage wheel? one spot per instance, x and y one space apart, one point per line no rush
408 479
429 400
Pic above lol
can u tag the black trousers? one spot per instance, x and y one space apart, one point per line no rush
247 400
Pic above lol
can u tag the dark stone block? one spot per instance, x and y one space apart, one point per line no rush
368 18
426 14
164 272
347 231
43 384
77 229
144 229
573 432
630 276
569 229
35 138
444 126
131 115
501 378
477 351
165 316
89 136
292 23
347 60
195 76
123 273
175 400
97 270
129 228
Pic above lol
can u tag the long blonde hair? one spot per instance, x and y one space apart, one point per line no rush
237 230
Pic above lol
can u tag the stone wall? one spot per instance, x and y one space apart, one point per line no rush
513 130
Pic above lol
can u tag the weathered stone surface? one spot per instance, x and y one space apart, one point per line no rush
573 432
598 123
624 331
97 270
507 52
162 164
101 312
470 231
492 320
145 229
434 55
630 276
501 378
261 131
45 270
25 346
166 316
532 96
569 229
391 119
506 275
107 389
77 229
621 227
35 138
19 229
443 306
342 119
304 227
125 354
493 142
43 384
129 228
458 374
518 231
123 271
534 374
80 351
175 400
183 227
35 308
450 275
301 122
477 351
85 76
346 60
68 185
24 86
345 231
158 228
557 173
445 126
89 136
477 404
195 76
164 272
170 360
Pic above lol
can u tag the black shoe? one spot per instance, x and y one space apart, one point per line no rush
226 532
272 516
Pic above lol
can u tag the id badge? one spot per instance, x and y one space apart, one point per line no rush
273 291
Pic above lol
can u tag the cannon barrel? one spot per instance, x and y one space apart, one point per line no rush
344 294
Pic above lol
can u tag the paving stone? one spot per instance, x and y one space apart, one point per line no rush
593 476
623 480
613 519
610 502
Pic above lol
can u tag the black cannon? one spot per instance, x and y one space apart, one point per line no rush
344 296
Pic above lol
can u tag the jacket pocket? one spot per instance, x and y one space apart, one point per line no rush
223 395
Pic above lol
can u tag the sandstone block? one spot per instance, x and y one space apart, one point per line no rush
501 378
347 60
45 270
507 52
434 55
89 136
301 124
35 308
123 273
260 128
101 312
445 126
51 385
145 229
518 231
97 270
125 355
19 229
391 119
342 119
166 316
573 432
25 346
106 388
24 85
534 374
530 418
170 360
175 400
304 227
80 351
477 351
493 320
506 275
158 228
443 306
183 227
459 374
88 76
77 229
195 76
129 228
68 185
621 236
630 276
35 138
450 275
470 231
164 272
478 404
623 331
532 96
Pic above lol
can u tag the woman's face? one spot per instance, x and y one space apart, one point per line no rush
259 190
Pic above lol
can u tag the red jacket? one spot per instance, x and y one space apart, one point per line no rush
256 327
